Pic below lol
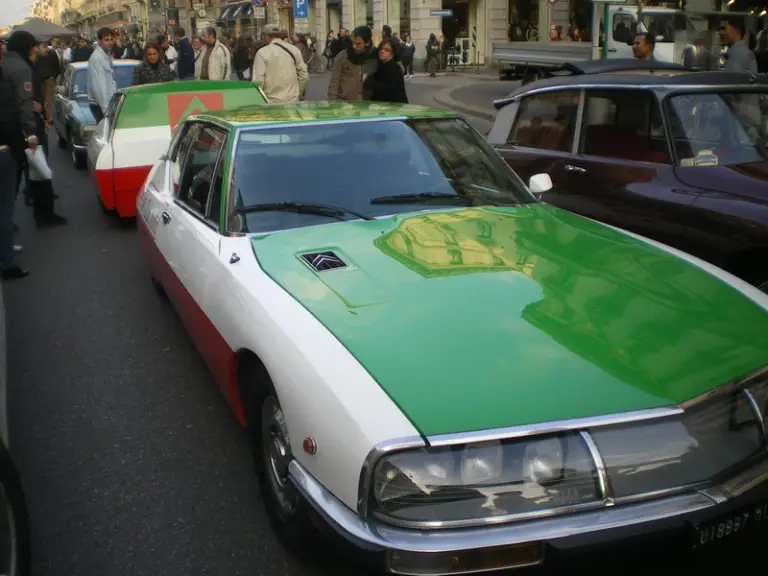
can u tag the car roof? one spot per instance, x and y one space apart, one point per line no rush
319 111
661 78
117 63
188 86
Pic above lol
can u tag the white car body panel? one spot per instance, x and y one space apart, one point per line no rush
135 147
323 390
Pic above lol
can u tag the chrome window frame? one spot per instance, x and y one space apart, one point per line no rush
583 427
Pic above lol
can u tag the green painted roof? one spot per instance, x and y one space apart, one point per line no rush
116 64
188 86
322 111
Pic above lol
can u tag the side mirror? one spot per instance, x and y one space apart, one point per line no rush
540 183
62 90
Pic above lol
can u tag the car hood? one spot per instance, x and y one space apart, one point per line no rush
745 180
481 318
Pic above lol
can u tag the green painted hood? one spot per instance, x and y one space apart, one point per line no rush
489 317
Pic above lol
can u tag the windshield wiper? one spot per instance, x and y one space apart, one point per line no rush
303 208
423 197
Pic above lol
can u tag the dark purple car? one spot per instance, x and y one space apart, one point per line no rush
674 155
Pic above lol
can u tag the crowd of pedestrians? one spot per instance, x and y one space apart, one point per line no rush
29 70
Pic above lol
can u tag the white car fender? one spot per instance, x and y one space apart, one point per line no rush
324 392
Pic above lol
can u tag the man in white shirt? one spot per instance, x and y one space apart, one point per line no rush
280 69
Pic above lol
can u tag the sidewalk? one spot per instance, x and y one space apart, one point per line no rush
467 92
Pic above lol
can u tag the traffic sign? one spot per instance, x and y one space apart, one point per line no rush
447 13
259 4
260 13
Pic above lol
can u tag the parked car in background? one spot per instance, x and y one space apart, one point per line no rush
139 124
674 155
72 116
14 521
443 372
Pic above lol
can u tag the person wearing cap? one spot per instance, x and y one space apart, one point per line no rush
280 69
18 128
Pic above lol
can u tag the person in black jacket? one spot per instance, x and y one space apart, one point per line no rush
17 131
185 65
387 84
343 42
24 50
82 52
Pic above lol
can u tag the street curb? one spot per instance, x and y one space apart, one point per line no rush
444 98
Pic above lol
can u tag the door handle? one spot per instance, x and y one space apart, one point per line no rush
166 218
613 49
577 169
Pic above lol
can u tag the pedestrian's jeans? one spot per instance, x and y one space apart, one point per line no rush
7 200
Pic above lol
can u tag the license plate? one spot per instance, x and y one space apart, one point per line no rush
730 525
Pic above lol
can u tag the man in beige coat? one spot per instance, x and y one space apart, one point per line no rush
214 60
280 69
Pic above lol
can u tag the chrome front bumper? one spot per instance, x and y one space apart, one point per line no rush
370 535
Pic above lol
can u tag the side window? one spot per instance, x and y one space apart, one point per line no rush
111 114
179 154
624 26
629 117
197 174
214 205
546 121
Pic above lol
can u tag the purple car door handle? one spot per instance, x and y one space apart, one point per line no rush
579 169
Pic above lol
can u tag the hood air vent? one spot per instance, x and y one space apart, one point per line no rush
323 261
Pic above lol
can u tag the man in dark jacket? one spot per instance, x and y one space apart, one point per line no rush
23 51
17 132
343 42
82 52
185 63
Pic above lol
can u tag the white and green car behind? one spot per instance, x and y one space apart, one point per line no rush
443 372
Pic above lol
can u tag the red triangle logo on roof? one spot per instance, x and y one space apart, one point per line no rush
182 105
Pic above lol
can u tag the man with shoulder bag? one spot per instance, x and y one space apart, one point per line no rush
280 69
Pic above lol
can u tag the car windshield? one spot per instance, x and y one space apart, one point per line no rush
369 168
719 128
664 25
123 77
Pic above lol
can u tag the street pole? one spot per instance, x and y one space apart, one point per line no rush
606 31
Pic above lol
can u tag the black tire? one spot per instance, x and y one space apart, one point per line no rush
78 158
14 524
158 287
294 527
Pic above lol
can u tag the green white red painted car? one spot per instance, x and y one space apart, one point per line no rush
139 124
441 371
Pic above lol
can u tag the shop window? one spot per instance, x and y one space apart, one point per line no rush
624 27
546 121
623 124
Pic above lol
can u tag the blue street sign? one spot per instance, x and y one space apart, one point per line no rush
300 10
259 3
447 13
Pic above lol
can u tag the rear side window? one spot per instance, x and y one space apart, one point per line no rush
623 124
546 121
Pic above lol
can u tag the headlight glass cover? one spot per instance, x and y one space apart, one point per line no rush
701 444
529 476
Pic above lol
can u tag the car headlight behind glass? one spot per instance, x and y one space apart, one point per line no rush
86 132
485 480
702 443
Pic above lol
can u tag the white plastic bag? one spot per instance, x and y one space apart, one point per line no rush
38 165
247 73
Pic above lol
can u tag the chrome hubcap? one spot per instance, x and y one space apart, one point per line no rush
277 453
8 560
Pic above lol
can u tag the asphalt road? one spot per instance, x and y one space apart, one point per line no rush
132 462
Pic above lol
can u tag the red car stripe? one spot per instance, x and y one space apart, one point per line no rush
119 188
219 357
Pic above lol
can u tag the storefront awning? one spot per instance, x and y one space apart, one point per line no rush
236 11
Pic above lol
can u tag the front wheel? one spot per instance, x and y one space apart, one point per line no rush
14 522
272 454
